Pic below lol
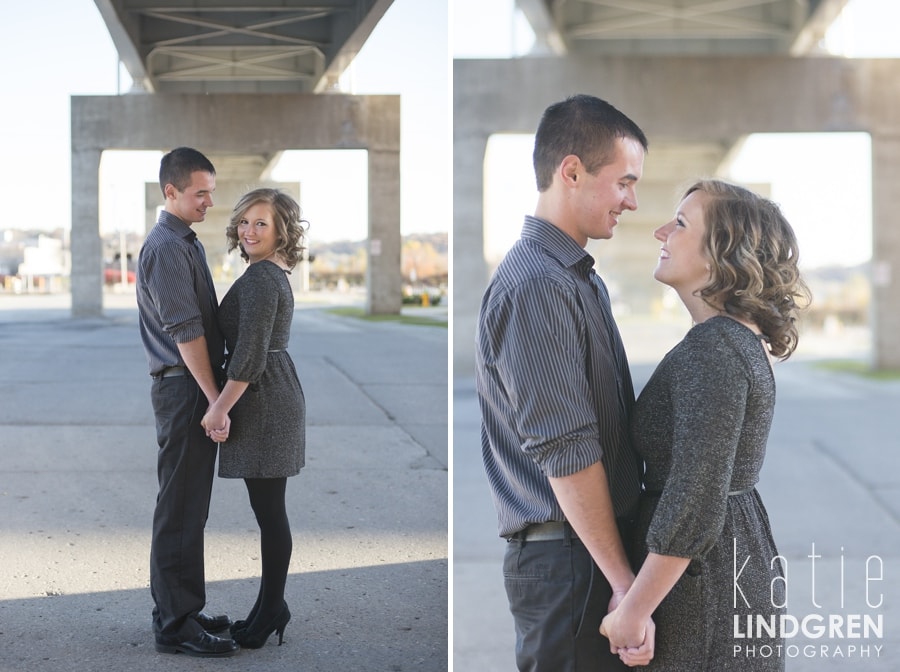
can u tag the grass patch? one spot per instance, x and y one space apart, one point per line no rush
858 368
360 314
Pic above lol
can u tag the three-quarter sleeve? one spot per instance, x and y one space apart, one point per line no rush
257 307
539 349
709 390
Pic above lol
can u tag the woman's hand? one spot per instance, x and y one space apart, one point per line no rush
216 423
632 641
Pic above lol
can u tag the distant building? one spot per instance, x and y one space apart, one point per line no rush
45 266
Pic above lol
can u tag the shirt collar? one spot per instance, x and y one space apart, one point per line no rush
558 245
177 226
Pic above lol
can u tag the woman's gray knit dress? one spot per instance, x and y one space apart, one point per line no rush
701 425
268 423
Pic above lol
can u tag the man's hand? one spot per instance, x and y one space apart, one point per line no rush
633 642
216 424
617 596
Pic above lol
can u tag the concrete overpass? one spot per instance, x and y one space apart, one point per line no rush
698 76
242 81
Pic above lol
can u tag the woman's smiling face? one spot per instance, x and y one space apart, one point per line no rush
258 233
683 262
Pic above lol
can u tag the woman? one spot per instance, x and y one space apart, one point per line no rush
265 442
701 424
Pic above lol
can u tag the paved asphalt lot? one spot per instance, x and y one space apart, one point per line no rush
369 575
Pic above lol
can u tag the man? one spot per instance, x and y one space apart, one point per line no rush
177 308
555 394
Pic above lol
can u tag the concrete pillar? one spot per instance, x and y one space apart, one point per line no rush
87 250
383 277
885 252
470 274
153 200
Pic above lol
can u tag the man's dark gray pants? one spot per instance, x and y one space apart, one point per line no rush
185 469
558 597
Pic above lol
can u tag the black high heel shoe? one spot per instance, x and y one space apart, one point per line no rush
242 624
256 639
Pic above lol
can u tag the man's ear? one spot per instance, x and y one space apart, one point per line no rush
169 191
570 170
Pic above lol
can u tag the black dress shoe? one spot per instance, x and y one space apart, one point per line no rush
213 623
203 645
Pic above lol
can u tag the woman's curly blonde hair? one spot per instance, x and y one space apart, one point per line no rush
753 256
290 227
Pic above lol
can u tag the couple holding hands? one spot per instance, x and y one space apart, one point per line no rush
626 520
221 376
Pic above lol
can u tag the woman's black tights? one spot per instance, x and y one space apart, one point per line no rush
267 501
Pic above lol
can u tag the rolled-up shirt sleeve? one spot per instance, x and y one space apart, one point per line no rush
539 343
166 270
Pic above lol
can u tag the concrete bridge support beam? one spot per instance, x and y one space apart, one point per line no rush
237 124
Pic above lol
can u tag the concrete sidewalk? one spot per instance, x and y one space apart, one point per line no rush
831 479
368 579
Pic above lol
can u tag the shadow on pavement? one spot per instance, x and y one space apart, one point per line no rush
357 618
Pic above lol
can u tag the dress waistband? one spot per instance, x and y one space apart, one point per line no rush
733 493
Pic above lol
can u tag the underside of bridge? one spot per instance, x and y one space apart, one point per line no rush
239 46
698 77
242 81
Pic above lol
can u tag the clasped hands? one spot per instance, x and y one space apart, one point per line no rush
632 639
216 423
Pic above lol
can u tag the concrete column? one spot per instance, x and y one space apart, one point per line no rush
383 269
153 199
470 274
885 252
87 251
